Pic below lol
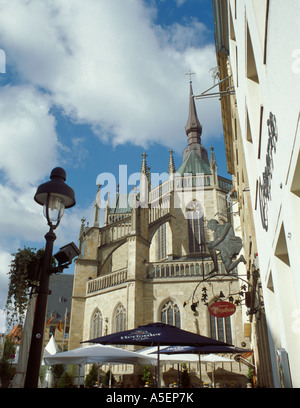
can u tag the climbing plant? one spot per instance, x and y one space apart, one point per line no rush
23 275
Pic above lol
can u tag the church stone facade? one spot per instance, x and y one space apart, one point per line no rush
150 260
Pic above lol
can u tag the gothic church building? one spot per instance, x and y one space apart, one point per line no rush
147 262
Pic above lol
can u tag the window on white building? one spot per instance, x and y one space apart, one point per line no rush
281 250
295 187
251 70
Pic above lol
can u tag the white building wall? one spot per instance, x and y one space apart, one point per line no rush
278 91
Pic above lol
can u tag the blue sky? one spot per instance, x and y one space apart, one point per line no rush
89 86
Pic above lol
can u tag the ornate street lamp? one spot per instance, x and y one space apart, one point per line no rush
55 195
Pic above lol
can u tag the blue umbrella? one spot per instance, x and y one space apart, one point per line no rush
219 349
157 334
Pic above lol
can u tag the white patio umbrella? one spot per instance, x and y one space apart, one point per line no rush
213 359
49 350
98 353
170 358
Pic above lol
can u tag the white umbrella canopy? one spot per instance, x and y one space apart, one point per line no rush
99 354
51 348
170 358
214 358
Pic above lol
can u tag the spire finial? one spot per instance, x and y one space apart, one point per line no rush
171 168
97 206
190 75
213 163
144 180
98 197
82 225
144 164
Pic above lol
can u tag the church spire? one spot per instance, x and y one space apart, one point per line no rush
193 131
193 127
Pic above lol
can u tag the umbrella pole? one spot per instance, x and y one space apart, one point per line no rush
79 369
200 371
98 375
158 368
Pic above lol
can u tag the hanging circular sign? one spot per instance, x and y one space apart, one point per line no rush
221 309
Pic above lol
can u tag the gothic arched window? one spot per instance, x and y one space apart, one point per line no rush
162 242
170 314
120 319
196 230
220 329
96 326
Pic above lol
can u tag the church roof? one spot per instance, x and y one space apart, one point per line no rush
122 204
193 164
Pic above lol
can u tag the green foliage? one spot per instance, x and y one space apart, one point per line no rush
9 348
105 380
146 376
43 372
65 381
21 278
6 369
184 376
73 371
92 376
57 371
250 375
5 373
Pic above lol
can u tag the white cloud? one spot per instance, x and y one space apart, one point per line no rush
123 76
20 215
182 37
69 227
105 64
5 260
28 140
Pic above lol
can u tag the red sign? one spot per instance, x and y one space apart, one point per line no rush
221 309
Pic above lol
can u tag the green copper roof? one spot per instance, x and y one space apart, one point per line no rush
122 204
193 164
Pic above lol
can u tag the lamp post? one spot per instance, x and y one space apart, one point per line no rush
55 195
